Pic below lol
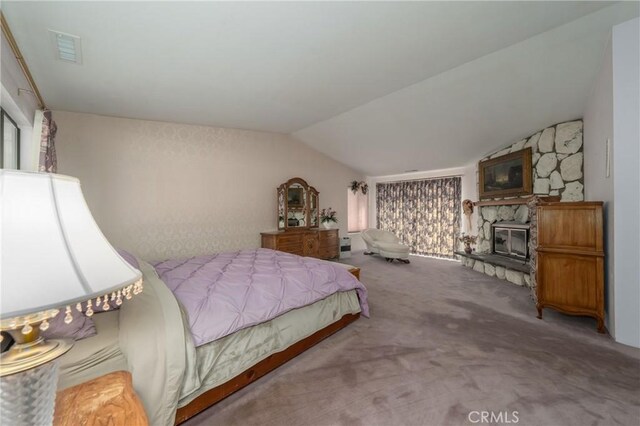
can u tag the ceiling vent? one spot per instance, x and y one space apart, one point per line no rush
66 47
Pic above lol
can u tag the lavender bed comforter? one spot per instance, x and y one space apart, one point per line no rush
226 292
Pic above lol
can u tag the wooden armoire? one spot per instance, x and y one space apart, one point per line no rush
570 259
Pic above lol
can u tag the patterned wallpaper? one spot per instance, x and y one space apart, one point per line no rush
165 190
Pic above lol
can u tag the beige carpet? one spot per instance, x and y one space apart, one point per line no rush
444 341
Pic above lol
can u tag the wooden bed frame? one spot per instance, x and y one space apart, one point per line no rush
217 394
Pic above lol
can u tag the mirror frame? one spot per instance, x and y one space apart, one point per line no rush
308 191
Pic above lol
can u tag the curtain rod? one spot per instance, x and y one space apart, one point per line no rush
23 65
411 180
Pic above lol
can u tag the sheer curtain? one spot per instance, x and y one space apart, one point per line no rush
357 205
424 214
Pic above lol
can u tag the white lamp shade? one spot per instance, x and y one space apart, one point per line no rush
52 252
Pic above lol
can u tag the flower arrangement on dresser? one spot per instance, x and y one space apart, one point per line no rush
328 217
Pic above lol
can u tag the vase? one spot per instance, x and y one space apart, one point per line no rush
327 225
467 248
29 397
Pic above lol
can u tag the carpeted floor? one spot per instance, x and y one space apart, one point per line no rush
444 341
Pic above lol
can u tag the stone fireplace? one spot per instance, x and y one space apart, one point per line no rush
557 167
508 259
488 216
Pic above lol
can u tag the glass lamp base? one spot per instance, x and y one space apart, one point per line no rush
29 398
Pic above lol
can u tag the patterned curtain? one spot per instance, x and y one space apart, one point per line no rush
48 159
424 214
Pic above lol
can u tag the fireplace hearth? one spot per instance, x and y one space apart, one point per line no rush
508 258
515 259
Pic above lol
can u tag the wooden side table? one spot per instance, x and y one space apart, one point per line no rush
107 400
355 271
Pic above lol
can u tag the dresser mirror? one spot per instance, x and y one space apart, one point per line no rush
297 205
313 208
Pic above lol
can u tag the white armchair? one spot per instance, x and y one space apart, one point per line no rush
385 244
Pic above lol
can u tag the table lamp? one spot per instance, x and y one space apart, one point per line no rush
53 258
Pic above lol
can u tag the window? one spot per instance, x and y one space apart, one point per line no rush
424 214
10 146
357 206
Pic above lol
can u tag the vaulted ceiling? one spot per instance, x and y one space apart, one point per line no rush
381 86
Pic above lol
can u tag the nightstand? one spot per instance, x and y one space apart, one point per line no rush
107 400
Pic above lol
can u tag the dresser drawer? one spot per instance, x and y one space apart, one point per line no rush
570 282
329 238
328 245
327 253
290 239
288 243
572 226
292 249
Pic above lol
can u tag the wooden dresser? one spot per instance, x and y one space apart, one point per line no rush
570 259
320 243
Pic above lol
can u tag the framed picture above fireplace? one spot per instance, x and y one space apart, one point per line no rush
506 176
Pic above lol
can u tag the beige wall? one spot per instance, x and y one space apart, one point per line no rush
173 190
598 127
626 180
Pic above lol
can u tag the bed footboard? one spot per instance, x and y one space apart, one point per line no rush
252 374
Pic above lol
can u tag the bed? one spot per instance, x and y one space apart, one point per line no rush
184 357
